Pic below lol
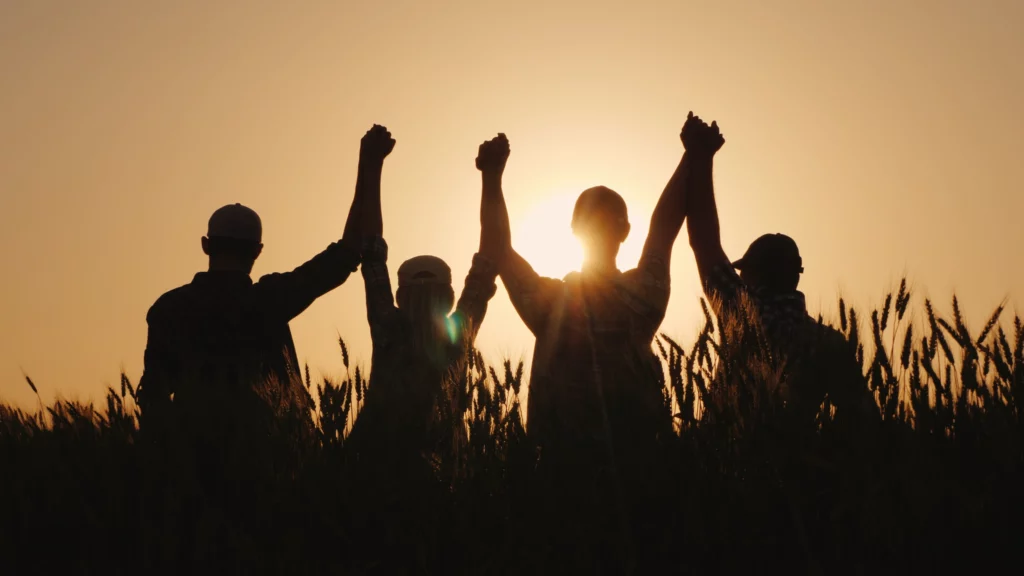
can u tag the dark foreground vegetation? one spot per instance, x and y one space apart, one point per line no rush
934 486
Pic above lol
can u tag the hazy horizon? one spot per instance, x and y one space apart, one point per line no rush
882 136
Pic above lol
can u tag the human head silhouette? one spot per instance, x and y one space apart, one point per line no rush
600 221
772 262
425 296
233 239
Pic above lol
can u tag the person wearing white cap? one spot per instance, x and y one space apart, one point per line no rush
417 337
819 359
418 341
222 333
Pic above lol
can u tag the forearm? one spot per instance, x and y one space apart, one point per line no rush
364 216
495 234
702 226
669 214
380 299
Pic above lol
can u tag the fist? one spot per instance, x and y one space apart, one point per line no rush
700 138
493 154
376 144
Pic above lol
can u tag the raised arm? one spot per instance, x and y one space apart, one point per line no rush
531 295
364 216
476 293
494 240
495 232
380 299
287 295
702 142
667 218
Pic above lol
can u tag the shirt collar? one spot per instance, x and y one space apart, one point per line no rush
222 277
793 300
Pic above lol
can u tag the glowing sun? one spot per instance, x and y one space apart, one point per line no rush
543 236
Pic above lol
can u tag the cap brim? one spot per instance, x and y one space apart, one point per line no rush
739 264
424 282
424 278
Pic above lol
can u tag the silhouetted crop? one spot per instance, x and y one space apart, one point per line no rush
929 481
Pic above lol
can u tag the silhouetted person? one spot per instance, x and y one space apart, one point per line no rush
421 340
818 358
417 345
224 412
594 328
596 405
223 333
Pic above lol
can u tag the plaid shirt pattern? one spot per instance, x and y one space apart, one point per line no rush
469 311
380 300
404 378
825 360
781 313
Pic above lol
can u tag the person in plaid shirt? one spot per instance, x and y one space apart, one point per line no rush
819 359
418 340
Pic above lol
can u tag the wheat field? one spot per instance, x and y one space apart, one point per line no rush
929 481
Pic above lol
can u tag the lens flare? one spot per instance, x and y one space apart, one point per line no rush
544 236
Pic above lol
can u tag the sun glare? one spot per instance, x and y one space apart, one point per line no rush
544 237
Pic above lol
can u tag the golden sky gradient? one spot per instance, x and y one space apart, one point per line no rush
882 135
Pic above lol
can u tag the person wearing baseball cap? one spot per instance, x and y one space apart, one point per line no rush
419 343
773 262
418 339
222 333
767 277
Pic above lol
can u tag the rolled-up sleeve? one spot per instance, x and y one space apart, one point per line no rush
478 290
724 286
380 299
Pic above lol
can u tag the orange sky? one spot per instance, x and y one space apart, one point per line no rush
881 135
